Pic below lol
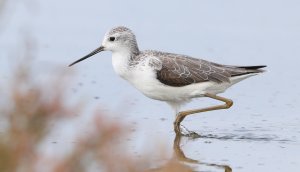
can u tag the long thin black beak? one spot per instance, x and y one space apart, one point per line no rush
101 48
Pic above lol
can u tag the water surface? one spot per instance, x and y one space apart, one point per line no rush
259 133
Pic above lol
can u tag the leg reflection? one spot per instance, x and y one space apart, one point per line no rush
179 154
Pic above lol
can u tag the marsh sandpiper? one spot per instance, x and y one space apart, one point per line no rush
173 78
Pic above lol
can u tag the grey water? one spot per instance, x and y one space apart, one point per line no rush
261 132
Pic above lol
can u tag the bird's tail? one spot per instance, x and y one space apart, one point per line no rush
253 69
244 70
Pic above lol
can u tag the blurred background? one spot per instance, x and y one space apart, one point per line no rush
259 133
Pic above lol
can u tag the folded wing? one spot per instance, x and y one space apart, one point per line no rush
179 70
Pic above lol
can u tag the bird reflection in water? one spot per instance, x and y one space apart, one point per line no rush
179 154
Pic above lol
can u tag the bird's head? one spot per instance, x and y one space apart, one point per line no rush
118 39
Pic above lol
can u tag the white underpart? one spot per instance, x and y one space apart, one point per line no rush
143 77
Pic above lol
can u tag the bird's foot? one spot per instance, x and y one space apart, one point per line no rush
187 133
182 130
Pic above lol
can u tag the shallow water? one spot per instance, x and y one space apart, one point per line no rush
259 133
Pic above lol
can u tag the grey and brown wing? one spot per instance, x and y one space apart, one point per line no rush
178 70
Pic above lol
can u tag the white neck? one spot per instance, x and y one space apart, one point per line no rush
120 62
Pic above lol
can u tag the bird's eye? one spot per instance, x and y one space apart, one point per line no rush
112 38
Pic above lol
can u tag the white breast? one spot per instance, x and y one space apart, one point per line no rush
141 75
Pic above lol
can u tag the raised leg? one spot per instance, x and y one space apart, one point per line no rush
183 114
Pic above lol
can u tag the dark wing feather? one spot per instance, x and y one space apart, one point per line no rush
179 70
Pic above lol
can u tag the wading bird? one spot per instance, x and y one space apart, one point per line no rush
173 78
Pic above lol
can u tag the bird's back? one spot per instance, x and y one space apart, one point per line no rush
181 70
